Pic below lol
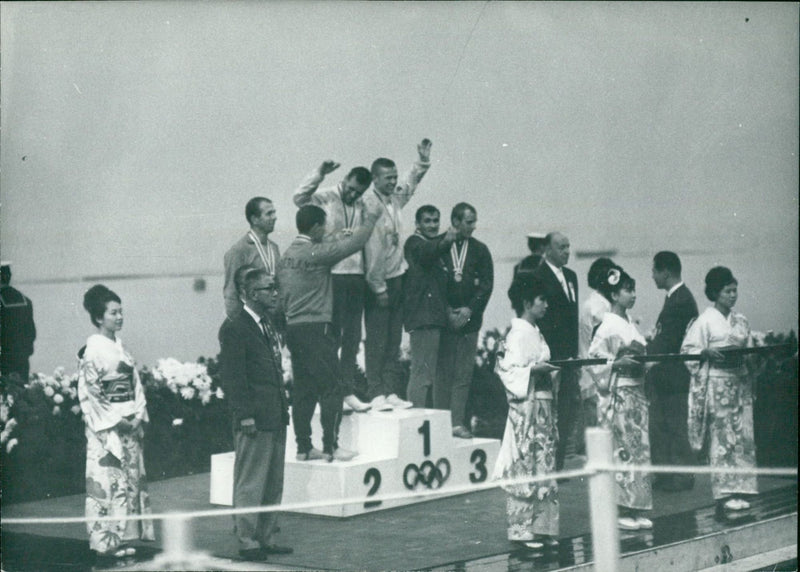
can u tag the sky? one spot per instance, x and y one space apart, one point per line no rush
132 134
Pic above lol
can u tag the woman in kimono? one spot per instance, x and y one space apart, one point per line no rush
530 437
589 318
622 404
114 409
720 393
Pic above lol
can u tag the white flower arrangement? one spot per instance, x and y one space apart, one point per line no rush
59 388
190 380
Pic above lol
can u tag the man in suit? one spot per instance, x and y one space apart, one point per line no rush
669 381
560 329
252 376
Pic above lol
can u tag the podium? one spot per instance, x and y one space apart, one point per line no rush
400 451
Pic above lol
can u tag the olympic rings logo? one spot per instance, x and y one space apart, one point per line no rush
428 474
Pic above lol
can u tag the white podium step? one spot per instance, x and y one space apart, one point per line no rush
399 452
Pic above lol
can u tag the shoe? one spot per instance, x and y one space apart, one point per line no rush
355 404
341 454
548 541
530 544
276 549
253 555
461 432
398 403
627 523
736 504
313 455
644 523
381 404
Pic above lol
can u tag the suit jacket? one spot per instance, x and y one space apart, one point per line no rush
679 309
560 324
252 376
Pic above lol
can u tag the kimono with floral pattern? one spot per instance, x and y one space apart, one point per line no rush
721 400
109 389
623 408
530 437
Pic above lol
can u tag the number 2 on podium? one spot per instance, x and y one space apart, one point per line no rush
372 475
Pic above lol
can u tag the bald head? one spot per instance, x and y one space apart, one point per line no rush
556 249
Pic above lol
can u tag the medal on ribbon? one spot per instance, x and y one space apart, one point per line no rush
458 258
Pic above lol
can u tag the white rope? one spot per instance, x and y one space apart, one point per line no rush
299 506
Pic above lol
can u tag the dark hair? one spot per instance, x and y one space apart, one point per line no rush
95 301
361 175
598 270
253 207
614 280
460 210
424 209
239 277
524 287
716 279
249 276
5 274
307 216
381 163
669 261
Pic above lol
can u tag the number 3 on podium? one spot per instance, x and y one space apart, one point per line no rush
478 458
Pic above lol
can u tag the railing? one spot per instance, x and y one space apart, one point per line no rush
178 552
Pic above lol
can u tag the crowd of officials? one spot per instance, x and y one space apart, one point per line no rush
348 265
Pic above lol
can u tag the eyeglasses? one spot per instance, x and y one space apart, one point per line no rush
271 288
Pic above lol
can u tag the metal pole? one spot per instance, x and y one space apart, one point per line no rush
177 544
602 501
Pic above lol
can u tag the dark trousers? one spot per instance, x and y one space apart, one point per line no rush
456 366
384 333
257 481
669 441
569 408
348 310
315 371
424 365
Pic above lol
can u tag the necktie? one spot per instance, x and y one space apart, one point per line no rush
272 339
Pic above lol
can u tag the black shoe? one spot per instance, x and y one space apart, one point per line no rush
276 549
253 555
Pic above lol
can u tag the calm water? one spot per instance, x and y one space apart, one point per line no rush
165 317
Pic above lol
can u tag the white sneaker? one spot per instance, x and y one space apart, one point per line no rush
644 523
737 504
399 403
353 403
627 523
380 404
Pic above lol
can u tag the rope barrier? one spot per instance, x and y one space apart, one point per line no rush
292 507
